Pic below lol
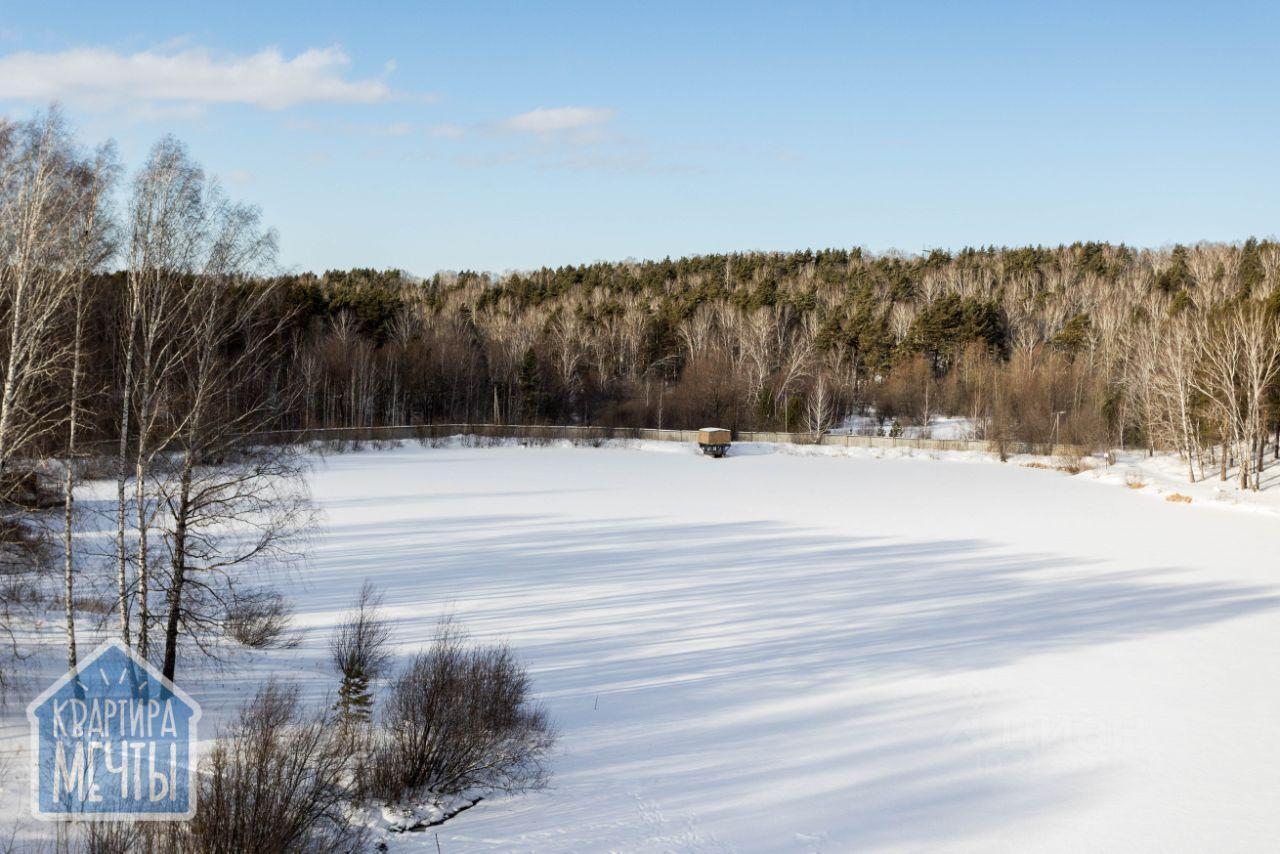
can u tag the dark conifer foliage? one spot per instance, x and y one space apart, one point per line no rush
1033 343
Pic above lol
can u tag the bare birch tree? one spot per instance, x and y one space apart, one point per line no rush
820 409
167 238
53 230
39 207
1258 332
220 479
1219 379
95 246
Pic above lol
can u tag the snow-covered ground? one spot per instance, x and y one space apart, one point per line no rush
939 427
785 651
1162 476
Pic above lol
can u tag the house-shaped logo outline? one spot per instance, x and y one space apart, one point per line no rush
152 673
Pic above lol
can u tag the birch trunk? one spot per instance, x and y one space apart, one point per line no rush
172 621
122 475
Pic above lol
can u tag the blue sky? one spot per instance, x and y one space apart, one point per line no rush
509 135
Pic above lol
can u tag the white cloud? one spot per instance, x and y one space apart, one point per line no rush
555 119
99 78
567 138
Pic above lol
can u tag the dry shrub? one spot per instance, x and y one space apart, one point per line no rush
709 391
1038 396
459 718
276 780
22 598
1133 480
113 837
1178 498
96 605
29 487
259 620
96 468
1072 461
23 546
335 445
909 394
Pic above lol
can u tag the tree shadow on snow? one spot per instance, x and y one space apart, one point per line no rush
707 643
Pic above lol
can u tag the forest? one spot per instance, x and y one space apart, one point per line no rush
1093 344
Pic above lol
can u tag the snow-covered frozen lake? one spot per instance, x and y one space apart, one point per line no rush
773 653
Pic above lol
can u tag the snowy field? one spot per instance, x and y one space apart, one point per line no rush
777 652
939 427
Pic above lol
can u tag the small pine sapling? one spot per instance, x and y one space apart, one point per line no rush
359 654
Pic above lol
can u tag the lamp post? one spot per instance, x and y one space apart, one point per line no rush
1057 415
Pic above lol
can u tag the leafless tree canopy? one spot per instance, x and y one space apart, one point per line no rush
459 719
226 529
169 366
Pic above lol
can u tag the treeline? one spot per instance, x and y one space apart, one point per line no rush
1097 345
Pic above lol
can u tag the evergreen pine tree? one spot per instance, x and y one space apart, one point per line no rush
355 700
359 655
